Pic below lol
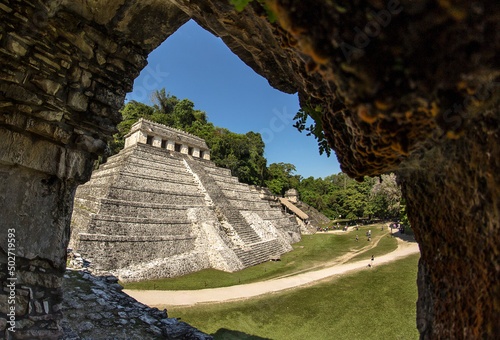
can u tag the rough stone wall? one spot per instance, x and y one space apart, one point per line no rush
459 267
315 217
62 79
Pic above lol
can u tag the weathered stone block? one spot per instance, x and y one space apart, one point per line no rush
46 280
92 145
19 93
108 97
51 116
86 79
48 86
16 47
5 8
78 101
47 60
81 43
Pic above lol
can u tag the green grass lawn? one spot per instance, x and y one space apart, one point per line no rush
386 245
377 303
314 250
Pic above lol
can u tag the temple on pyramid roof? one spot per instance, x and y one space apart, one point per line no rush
158 135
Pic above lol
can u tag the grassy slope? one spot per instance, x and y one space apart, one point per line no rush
378 303
314 250
384 246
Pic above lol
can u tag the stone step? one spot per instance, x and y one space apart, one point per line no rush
282 221
259 252
190 196
149 153
137 151
138 180
138 249
104 180
238 194
170 166
126 226
249 204
145 158
270 214
134 163
124 153
251 199
158 153
234 217
80 219
178 174
244 230
218 171
237 187
142 209
87 203
91 190
208 165
144 173
224 178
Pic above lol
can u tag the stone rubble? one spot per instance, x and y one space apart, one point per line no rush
94 307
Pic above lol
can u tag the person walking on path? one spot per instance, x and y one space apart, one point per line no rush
357 238
373 259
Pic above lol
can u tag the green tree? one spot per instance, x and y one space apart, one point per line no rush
281 177
242 153
386 186
376 206
163 101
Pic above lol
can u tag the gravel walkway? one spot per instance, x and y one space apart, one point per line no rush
167 298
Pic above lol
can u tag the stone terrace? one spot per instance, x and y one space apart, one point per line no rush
153 212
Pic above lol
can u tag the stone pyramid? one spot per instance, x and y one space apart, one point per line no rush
161 208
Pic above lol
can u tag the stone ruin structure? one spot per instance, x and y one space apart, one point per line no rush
161 208
107 308
292 195
308 218
404 86
302 219
157 135
314 217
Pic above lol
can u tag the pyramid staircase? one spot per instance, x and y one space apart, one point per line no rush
234 198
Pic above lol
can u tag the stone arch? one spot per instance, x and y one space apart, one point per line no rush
392 98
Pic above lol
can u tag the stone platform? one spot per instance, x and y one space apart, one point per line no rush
151 212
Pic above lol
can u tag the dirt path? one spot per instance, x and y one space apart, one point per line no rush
165 298
344 258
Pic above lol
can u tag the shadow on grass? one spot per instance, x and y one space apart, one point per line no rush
404 237
227 334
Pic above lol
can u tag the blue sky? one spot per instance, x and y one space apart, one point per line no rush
194 64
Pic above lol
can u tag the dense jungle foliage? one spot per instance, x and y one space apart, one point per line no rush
337 196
